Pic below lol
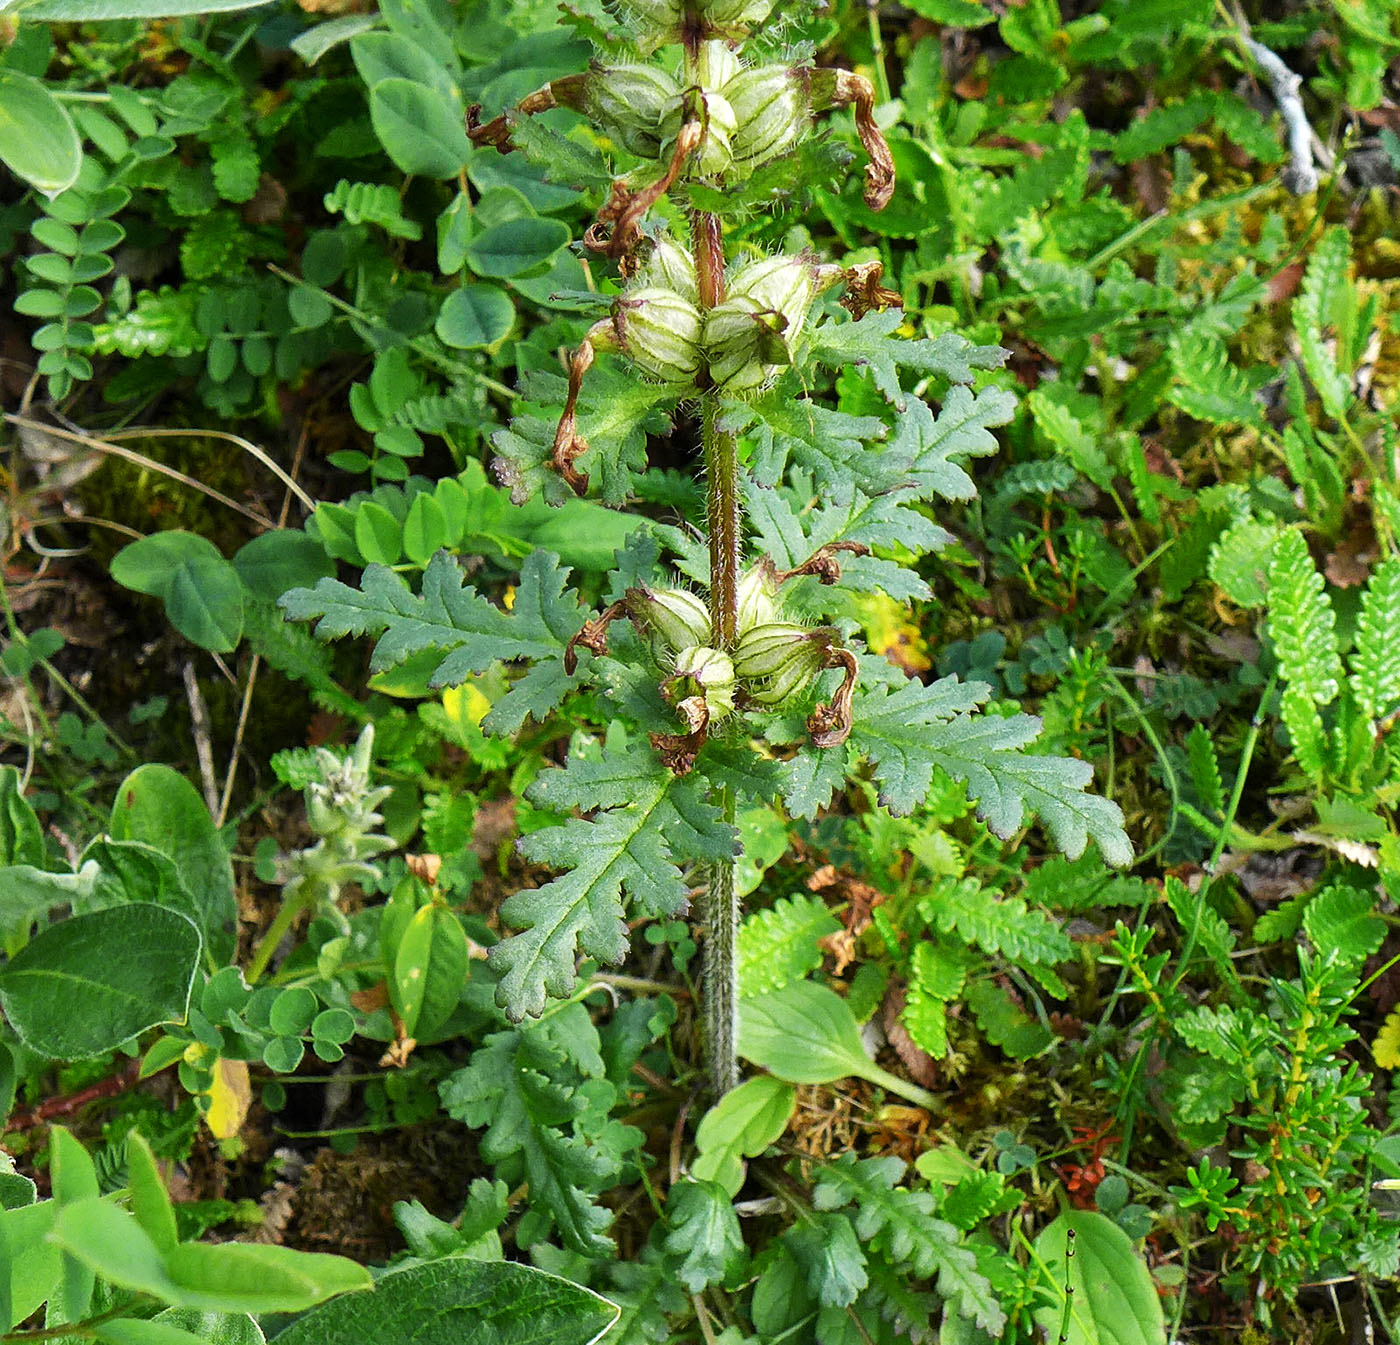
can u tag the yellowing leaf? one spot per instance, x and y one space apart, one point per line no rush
1386 1047
465 705
230 1099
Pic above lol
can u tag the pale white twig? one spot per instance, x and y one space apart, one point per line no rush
1300 177
203 740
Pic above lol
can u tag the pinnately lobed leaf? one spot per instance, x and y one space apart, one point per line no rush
1376 660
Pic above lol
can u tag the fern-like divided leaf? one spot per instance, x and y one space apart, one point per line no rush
1301 623
541 1093
1004 925
780 945
372 203
648 823
1325 285
902 1225
872 341
1208 386
1376 661
616 412
908 732
1205 769
469 632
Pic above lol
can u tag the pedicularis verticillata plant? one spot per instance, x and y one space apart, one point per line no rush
745 682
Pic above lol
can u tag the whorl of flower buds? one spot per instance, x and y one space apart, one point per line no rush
660 332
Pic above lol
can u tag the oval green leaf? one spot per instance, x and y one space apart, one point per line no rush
149 566
158 806
1114 1300
38 141
517 246
205 604
201 590
420 127
283 559
741 1125
90 983
475 316
430 969
425 529
377 534
459 1302
805 1033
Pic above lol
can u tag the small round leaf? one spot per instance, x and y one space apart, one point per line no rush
475 316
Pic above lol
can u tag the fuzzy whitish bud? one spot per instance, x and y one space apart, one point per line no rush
660 332
716 117
758 596
630 103
745 345
779 659
671 267
770 106
707 673
676 617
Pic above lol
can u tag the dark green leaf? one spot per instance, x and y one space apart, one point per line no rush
473 316
420 127
88 984
517 246
704 1233
460 1302
159 807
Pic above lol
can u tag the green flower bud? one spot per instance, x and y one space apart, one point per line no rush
733 18
715 65
778 659
708 673
660 333
676 617
758 596
714 156
745 344
653 22
630 102
671 267
783 284
770 106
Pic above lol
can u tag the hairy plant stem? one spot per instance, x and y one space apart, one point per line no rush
276 932
723 514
